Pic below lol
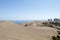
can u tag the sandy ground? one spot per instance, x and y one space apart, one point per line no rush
11 31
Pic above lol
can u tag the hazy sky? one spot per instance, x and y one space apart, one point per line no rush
29 9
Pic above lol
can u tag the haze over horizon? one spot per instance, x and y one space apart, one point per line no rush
29 9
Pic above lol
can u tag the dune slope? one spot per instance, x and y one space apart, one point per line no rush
11 31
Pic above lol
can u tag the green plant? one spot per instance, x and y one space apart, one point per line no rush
56 38
53 38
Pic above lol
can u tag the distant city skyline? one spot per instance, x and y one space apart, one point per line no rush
29 9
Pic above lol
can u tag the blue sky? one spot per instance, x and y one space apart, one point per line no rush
29 9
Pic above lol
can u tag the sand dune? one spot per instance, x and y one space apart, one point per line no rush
12 31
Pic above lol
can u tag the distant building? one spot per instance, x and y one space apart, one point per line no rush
49 19
56 19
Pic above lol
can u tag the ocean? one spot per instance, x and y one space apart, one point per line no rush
20 22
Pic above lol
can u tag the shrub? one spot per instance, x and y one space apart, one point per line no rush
56 38
26 25
53 38
58 32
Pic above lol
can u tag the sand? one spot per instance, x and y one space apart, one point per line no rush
12 31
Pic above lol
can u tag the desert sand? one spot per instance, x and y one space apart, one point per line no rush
12 31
